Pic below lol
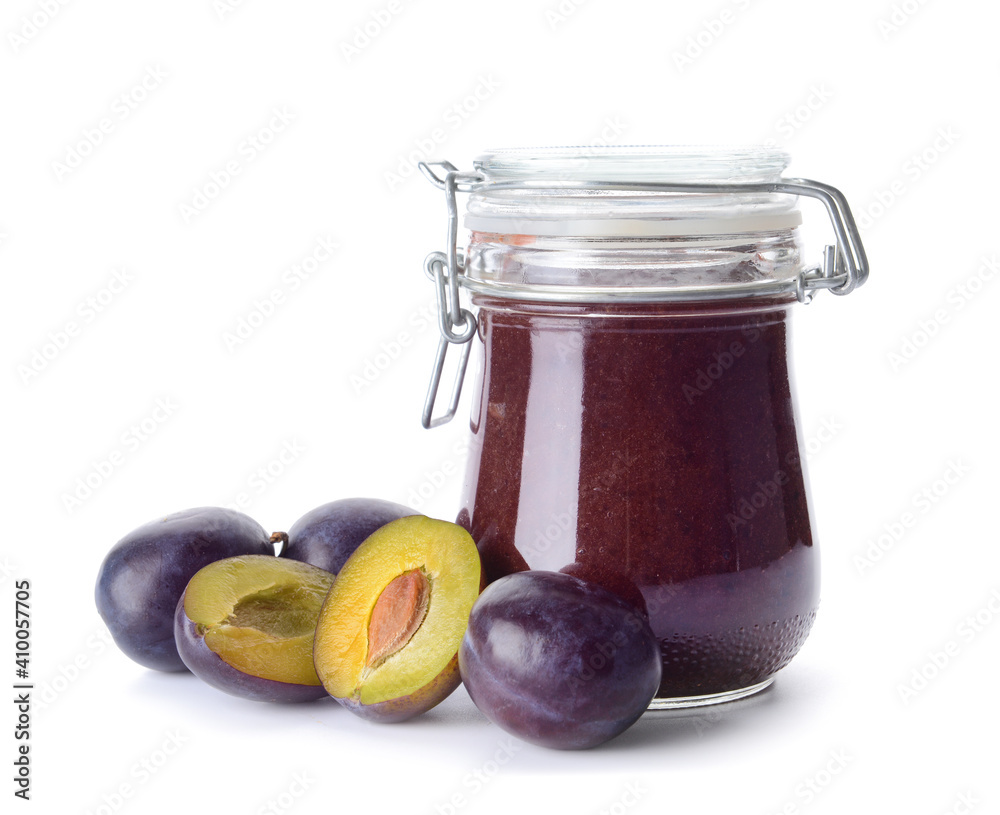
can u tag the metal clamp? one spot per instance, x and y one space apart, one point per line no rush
844 266
457 325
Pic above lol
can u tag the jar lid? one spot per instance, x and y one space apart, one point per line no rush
593 192
691 163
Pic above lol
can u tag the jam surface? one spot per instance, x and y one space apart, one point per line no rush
651 448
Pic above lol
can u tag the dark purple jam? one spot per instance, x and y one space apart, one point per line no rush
651 448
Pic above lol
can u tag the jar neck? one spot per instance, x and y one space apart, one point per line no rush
743 267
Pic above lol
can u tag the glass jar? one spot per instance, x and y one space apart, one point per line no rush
633 418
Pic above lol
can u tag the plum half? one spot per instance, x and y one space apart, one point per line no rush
387 637
328 535
246 625
558 661
145 573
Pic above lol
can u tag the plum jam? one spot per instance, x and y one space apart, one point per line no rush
633 419
655 447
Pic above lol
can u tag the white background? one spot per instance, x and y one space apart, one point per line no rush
896 108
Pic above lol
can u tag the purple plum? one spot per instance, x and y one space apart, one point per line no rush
558 661
328 535
144 575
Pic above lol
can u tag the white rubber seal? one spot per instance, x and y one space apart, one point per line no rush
633 227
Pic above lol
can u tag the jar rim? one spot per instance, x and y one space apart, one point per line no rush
636 163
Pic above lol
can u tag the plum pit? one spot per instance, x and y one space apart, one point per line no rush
398 613
278 611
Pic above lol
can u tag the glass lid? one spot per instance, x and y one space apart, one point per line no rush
637 163
625 191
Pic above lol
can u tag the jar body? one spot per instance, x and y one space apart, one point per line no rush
651 447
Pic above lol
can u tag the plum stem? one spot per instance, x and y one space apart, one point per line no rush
282 538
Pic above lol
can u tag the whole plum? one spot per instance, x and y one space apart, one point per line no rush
558 661
327 536
145 573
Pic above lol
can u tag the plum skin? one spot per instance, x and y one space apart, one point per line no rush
146 572
558 661
328 535
208 666
392 711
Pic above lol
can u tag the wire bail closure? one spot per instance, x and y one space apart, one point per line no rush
457 325
844 265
